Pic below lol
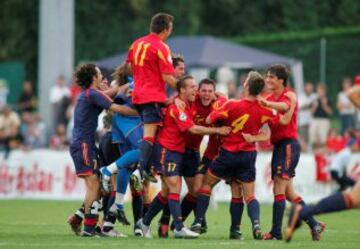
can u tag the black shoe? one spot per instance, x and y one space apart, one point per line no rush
121 217
235 234
257 232
196 227
204 227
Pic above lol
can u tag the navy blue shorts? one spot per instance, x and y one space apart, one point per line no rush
285 158
166 162
203 166
239 166
150 113
85 158
190 163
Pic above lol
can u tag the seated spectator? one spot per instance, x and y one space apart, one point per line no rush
340 162
9 129
335 142
59 140
33 131
27 100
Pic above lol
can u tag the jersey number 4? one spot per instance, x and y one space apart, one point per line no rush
140 57
238 124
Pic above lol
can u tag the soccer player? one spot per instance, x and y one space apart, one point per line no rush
286 153
205 101
236 160
83 150
179 70
167 157
151 63
334 203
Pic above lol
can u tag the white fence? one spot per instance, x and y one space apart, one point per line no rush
47 174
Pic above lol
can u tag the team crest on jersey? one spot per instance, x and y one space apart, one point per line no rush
182 116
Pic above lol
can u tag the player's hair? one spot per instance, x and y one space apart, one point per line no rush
176 59
181 83
256 83
280 71
207 81
84 75
121 73
160 22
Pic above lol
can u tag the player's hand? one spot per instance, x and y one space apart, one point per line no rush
262 101
104 85
179 104
224 130
248 137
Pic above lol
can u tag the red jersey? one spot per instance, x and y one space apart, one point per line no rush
280 132
176 123
212 149
244 116
336 143
150 58
193 141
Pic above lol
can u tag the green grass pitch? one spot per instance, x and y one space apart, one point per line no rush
42 224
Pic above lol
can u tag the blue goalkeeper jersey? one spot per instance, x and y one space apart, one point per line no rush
126 130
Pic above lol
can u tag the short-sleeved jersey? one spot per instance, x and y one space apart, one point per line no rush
89 105
243 116
150 58
280 132
176 123
193 141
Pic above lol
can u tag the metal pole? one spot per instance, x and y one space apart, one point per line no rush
56 50
323 60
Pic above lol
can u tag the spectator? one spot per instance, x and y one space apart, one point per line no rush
9 129
59 140
357 115
345 107
27 100
335 142
306 101
340 162
75 90
320 124
60 100
34 133
4 91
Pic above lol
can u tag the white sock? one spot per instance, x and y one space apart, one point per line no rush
119 199
112 168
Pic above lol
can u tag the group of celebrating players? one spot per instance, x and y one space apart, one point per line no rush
156 130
